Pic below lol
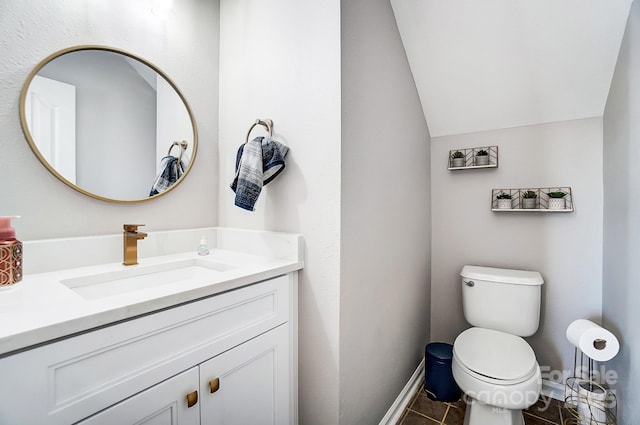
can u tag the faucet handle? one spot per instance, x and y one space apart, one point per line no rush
131 227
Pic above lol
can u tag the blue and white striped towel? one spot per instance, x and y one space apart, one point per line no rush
258 162
171 171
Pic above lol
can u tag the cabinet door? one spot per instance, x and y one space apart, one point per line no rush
249 384
163 404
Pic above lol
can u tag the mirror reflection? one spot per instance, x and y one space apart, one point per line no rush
108 124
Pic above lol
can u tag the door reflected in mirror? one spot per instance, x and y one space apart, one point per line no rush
108 124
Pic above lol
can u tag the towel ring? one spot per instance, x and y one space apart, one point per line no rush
183 146
267 123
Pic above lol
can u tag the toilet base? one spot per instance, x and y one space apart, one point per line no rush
479 413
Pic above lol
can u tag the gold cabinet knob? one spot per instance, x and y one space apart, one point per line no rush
214 385
192 399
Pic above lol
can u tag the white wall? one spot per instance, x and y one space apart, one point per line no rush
566 248
281 60
358 344
621 219
185 47
385 235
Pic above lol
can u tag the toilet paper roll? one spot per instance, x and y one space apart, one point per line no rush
593 340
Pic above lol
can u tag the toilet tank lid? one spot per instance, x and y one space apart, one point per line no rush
492 274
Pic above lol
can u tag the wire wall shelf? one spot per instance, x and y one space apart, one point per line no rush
468 158
522 200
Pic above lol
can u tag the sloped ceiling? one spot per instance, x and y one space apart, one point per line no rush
490 64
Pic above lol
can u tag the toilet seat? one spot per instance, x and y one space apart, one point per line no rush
495 357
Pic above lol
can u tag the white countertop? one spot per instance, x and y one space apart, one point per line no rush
40 308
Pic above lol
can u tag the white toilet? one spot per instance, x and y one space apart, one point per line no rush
492 364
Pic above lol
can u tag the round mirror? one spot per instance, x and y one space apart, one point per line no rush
108 124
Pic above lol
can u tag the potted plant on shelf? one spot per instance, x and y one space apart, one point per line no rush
556 200
504 200
457 159
482 157
528 201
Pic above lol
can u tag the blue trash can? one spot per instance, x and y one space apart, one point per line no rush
438 378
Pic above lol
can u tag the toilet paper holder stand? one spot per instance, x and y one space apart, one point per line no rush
586 399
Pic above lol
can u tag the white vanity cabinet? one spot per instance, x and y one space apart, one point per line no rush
236 352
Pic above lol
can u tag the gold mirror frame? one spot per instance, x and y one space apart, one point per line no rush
52 170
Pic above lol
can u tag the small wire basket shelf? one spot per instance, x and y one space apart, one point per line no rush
517 199
467 158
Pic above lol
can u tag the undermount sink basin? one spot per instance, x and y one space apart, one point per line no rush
135 278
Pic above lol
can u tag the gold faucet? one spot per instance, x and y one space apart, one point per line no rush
131 237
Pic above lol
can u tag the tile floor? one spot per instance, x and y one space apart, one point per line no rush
424 411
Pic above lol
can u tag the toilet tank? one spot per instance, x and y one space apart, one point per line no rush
502 299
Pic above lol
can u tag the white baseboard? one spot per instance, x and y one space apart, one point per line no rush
553 390
404 398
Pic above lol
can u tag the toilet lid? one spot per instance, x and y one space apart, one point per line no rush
495 354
